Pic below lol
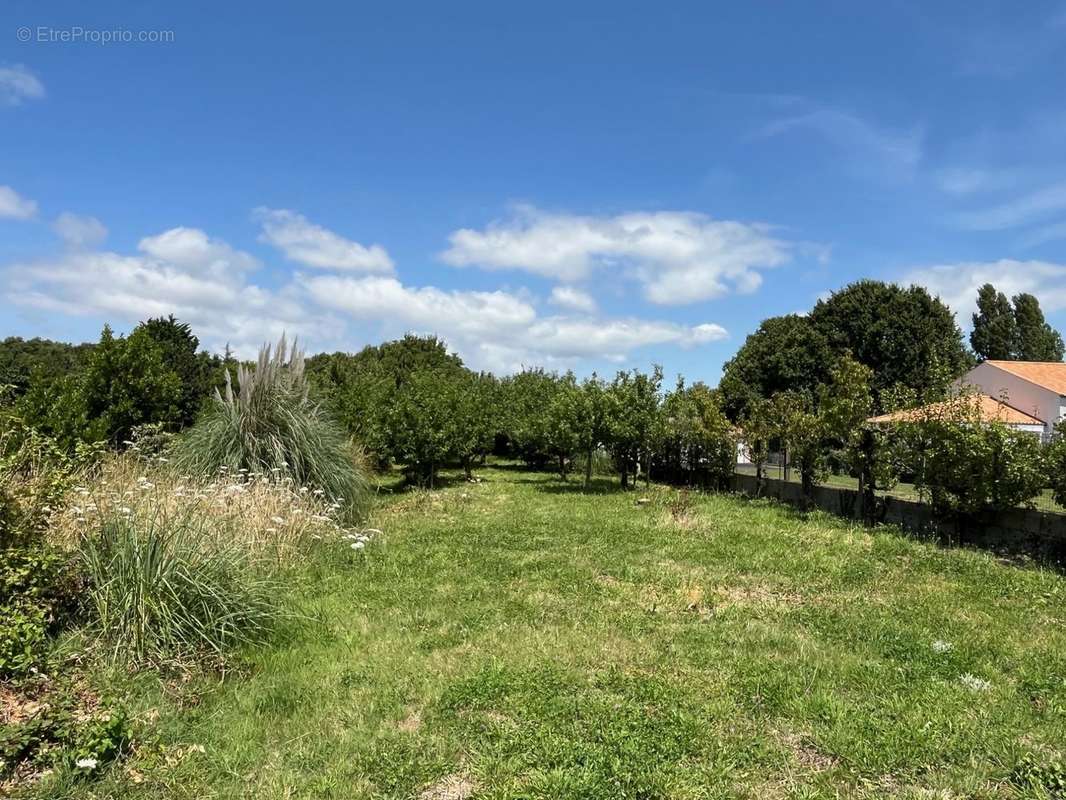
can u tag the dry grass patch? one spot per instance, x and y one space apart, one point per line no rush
451 787
756 596
412 723
266 515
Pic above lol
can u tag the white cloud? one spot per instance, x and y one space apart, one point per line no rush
314 246
1017 212
678 257
17 84
467 313
78 231
573 299
207 283
193 250
182 272
497 330
957 284
14 206
871 151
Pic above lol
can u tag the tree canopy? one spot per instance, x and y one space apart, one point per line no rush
905 336
785 353
1013 330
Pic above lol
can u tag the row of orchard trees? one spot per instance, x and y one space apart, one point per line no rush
680 435
413 403
960 461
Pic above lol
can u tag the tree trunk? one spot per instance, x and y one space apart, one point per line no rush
867 495
588 468
625 473
562 466
807 482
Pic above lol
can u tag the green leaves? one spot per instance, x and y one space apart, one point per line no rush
1017 333
964 463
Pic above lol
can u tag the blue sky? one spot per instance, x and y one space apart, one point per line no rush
587 186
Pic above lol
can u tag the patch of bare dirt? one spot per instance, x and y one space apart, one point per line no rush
16 708
806 754
451 787
755 596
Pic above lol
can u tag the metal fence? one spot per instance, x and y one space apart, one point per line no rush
776 469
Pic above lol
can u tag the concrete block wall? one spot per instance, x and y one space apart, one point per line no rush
1017 531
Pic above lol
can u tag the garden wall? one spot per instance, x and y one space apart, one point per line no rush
1018 531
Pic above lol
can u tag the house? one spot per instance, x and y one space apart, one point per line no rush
1037 388
1025 395
988 409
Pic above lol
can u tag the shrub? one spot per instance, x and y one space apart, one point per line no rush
162 586
37 585
272 426
694 440
965 464
1055 464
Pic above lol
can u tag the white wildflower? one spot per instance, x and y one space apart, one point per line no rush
940 646
125 510
358 545
277 520
87 763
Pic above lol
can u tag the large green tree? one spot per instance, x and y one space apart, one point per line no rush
994 335
26 361
199 372
126 383
904 335
694 441
1035 339
364 388
785 354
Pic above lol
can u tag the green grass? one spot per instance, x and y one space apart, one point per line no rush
524 640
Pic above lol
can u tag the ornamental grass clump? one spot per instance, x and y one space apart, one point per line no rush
271 425
164 588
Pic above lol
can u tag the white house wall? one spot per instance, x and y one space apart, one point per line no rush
1035 400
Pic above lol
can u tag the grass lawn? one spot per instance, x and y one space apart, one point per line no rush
517 638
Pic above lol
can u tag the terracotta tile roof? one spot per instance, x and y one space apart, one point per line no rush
990 409
1049 374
